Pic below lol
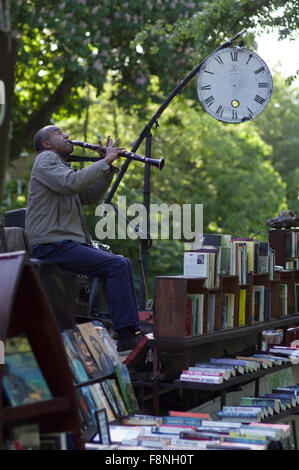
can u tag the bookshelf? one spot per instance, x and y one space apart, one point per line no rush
274 291
25 311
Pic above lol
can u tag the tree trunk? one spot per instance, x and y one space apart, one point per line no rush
42 116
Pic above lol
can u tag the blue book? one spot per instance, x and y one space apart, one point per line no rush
182 420
23 381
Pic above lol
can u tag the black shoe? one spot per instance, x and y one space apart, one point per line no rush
124 348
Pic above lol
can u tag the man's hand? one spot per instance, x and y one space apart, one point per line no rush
112 152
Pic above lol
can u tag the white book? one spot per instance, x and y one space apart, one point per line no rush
201 378
196 264
225 373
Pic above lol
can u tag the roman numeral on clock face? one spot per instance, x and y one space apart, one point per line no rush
210 100
263 85
261 69
219 111
259 99
206 87
234 56
219 60
234 115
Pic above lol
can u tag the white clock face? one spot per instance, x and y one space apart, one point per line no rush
234 85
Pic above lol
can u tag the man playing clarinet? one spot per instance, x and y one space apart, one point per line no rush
57 229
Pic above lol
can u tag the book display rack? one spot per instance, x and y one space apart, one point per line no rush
24 311
251 296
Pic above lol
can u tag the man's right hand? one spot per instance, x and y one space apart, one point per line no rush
112 152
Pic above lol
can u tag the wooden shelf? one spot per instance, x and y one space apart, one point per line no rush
222 335
25 311
34 410
238 380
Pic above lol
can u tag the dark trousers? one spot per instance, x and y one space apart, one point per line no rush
116 270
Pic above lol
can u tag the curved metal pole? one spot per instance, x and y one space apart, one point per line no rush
178 89
146 133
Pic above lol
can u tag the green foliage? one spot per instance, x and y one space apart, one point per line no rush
131 55
226 168
64 45
278 126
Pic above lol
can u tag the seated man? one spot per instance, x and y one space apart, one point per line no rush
57 229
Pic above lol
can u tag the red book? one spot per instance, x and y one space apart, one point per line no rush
138 353
190 414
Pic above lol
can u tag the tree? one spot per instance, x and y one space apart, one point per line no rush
278 126
64 45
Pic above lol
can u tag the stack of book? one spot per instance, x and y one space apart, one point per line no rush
194 314
259 408
290 353
219 255
101 378
187 430
218 370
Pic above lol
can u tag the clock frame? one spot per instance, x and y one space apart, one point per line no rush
234 85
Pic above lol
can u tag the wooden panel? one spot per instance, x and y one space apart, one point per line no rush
170 307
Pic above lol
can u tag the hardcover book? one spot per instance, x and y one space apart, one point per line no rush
96 348
23 381
84 354
74 360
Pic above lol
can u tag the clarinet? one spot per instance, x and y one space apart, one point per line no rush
131 155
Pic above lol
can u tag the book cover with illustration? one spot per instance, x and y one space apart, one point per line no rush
23 381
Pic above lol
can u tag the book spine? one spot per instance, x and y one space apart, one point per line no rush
203 371
179 420
201 378
123 389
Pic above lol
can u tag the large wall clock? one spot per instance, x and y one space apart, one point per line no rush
234 84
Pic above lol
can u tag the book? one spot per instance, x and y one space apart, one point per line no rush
101 400
112 385
86 408
285 398
223 242
227 310
202 263
263 257
241 366
109 343
258 303
96 347
252 362
79 373
225 373
194 314
23 381
242 307
211 312
126 388
138 355
201 378
227 369
84 354
261 401
142 420
24 437
283 299
57 441
242 414
111 398
192 414
196 264
179 420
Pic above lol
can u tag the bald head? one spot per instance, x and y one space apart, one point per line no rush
41 136
52 138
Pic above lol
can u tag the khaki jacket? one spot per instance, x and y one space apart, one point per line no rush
56 194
